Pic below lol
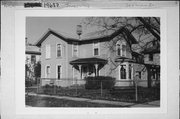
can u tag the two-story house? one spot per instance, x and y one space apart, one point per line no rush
65 57
152 61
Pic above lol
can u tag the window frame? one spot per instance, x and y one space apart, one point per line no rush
96 46
60 50
57 73
73 45
46 76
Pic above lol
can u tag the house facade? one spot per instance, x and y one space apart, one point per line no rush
66 59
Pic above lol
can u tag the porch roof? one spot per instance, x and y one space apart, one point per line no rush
92 60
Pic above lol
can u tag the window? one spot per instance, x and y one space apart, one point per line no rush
59 71
33 59
139 75
123 72
96 48
95 51
47 71
75 49
59 50
48 51
118 49
123 50
130 71
150 57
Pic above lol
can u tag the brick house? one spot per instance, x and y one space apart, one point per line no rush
66 57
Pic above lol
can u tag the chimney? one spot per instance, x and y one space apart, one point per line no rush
79 31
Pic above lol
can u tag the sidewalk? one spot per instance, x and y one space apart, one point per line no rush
117 103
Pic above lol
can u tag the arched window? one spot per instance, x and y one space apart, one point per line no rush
123 72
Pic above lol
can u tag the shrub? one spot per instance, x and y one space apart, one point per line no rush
95 82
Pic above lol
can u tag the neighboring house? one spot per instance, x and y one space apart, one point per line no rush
152 61
65 57
33 55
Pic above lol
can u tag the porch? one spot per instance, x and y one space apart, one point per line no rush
87 67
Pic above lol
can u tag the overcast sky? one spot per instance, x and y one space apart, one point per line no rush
37 26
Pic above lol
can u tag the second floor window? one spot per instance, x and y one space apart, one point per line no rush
59 50
123 50
150 57
75 49
120 49
48 51
96 52
96 48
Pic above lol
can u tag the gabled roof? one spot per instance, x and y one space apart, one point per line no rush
85 38
155 48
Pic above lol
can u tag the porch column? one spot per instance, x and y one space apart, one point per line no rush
149 76
96 69
73 73
80 71
127 71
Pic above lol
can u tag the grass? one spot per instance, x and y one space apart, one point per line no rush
36 101
123 95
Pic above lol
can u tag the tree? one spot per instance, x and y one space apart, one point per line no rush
37 70
141 27
146 30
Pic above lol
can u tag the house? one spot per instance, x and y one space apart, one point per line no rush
33 55
65 58
152 60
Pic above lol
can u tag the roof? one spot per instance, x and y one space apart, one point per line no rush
152 50
92 60
86 37
30 49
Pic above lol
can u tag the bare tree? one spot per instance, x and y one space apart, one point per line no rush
146 30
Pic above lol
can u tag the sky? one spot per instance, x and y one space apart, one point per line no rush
37 26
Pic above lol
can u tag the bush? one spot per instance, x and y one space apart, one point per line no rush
95 82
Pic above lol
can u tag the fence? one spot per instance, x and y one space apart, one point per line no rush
93 89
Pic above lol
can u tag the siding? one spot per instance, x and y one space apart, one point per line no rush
54 61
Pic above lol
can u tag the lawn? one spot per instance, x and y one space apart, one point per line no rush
123 95
37 101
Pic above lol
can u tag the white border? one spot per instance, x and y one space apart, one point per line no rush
20 19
